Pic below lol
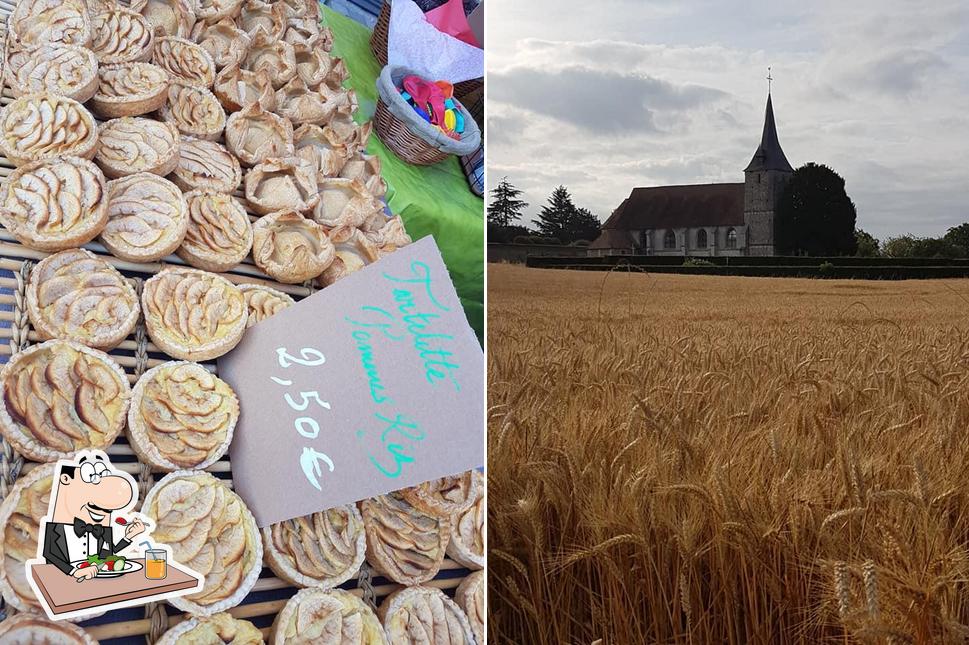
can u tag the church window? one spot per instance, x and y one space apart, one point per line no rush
701 239
731 239
669 240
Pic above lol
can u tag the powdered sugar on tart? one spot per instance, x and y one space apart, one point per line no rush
131 144
219 233
147 218
41 126
263 302
403 543
321 617
206 165
290 248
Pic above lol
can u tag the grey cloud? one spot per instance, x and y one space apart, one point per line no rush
899 73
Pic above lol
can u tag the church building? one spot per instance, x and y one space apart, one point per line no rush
704 219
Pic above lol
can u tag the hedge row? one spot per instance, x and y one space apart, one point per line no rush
756 261
816 271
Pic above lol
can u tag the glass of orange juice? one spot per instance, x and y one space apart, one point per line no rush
156 564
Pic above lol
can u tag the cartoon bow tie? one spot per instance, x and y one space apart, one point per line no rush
81 527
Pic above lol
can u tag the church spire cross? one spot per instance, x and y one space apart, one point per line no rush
769 79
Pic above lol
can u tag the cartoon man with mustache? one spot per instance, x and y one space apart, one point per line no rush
80 524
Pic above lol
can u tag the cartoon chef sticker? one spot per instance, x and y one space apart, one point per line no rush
89 536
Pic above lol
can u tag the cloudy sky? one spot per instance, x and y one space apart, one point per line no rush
624 93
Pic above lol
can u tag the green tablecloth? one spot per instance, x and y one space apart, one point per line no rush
431 200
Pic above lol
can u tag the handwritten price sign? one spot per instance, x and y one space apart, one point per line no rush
371 385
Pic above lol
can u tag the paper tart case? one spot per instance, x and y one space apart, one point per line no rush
466 545
219 234
263 302
200 534
194 110
121 36
470 596
147 218
80 405
324 549
403 543
129 89
212 630
129 145
291 248
206 165
66 70
59 22
41 126
425 616
168 17
30 628
205 400
20 515
36 213
63 288
311 616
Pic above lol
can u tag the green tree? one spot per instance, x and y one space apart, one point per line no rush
868 245
958 238
556 216
584 225
815 216
901 246
908 246
505 208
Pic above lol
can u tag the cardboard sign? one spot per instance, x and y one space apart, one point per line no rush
370 385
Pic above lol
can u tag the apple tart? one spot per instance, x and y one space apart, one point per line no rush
324 549
365 168
31 628
194 110
208 528
219 231
300 8
212 630
269 16
41 126
390 236
236 88
168 17
302 30
444 496
75 295
129 89
281 184
290 248
314 65
470 596
193 315
263 302
121 36
344 202
254 135
301 104
353 252
55 204
133 144
327 617
147 218
223 40
466 545
322 148
206 165
184 60
272 54
424 616
181 416
50 22
20 515
61 397
215 10
66 70
403 543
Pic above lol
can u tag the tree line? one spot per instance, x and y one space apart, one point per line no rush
559 222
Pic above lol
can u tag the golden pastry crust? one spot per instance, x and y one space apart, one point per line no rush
181 416
167 17
282 184
32 628
301 104
20 515
208 528
444 496
290 248
121 36
344 202
390 235
219 233
67 70
269 16
53 22
75 295
147 218
300 8
55 204
223 40
327 617
365 168
272 54
193 315
206 165
403 543
324 549
302 30
470 596
314 65
236 88
134 144
322 148
214 10
263 302
61 397
466 545
129 89
426 616
254 135
41 126
194 110
209 630
347 131
353 252
184 60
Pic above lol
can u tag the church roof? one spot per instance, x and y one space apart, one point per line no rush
662 207
612 238
769 155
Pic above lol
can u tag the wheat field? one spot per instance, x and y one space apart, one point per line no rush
680 459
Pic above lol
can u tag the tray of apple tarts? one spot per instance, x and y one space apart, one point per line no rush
172 173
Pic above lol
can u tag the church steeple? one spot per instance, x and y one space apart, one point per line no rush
769 155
